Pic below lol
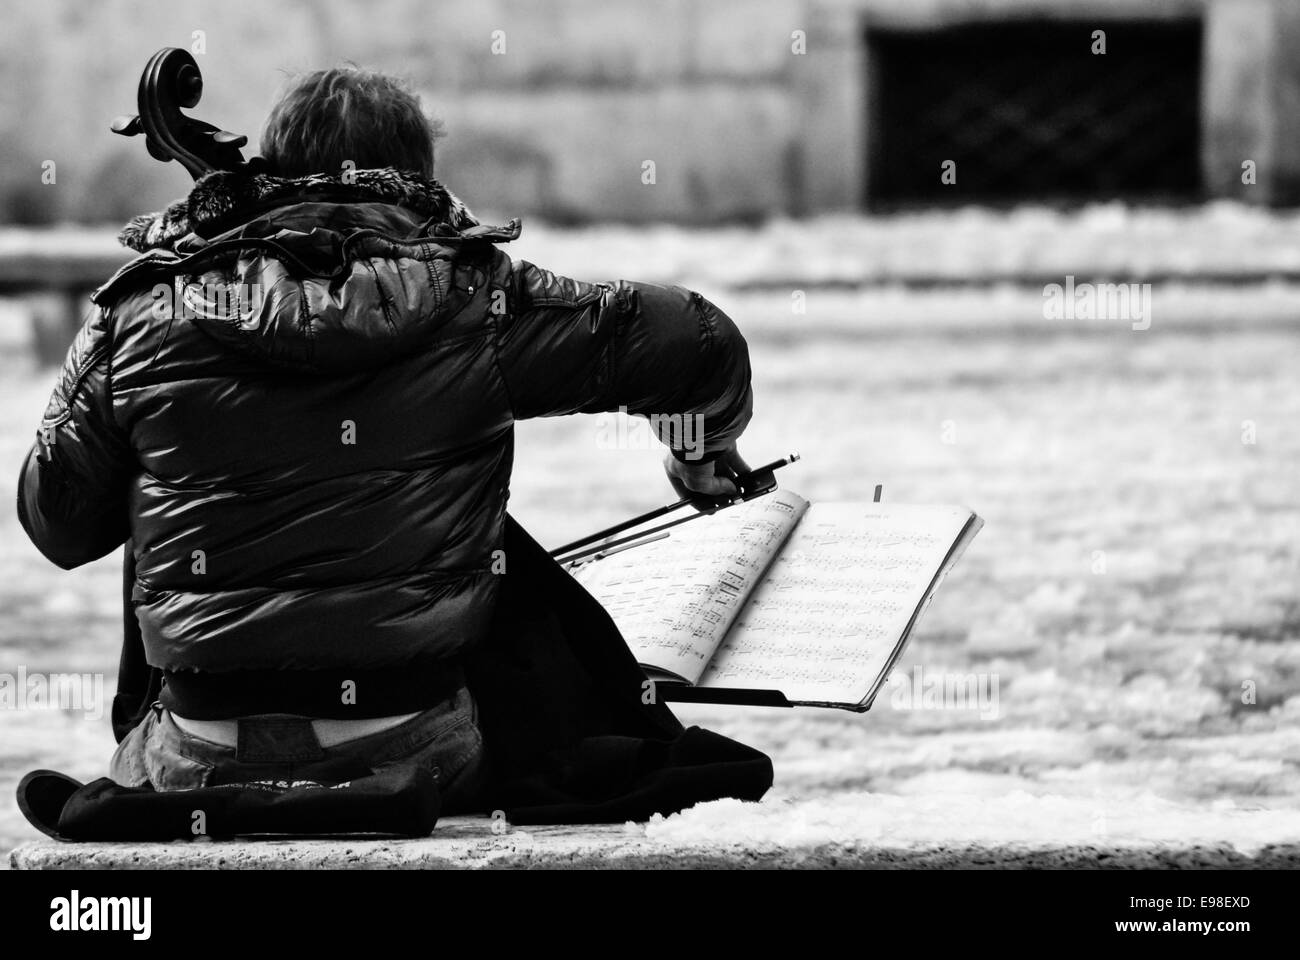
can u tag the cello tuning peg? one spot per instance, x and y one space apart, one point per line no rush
226 137
127 126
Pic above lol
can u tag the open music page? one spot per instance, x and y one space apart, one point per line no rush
674 599
833 610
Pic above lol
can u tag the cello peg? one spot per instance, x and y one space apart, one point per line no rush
226 137
127 126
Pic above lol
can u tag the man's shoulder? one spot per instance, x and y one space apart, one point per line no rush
135 275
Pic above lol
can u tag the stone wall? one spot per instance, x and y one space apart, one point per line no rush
738 125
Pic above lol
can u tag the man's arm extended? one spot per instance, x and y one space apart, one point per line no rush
72 490
573 347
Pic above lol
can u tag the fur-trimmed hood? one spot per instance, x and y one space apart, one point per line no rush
269 264
224 199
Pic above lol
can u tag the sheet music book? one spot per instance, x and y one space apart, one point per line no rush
779 600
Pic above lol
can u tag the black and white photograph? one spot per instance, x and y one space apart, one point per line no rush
699 435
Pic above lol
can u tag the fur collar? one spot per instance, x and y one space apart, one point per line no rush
225 199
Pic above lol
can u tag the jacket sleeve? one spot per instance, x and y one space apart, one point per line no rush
72 492
662 352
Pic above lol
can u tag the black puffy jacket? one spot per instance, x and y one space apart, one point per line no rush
314 471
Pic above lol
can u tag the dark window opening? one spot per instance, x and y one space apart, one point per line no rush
1027 111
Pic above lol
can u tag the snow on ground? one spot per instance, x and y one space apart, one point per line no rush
1130 609
963 818
1223 238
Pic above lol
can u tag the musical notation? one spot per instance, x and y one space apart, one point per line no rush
824 621
675 599
811 600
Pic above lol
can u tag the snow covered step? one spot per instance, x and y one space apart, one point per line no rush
469 843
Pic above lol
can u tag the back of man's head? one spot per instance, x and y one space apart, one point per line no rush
328 118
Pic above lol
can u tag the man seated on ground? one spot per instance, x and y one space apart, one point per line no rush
299 413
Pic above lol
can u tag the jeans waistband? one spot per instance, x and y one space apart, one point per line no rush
282 740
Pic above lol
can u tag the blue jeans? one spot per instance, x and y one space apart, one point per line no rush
445 738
